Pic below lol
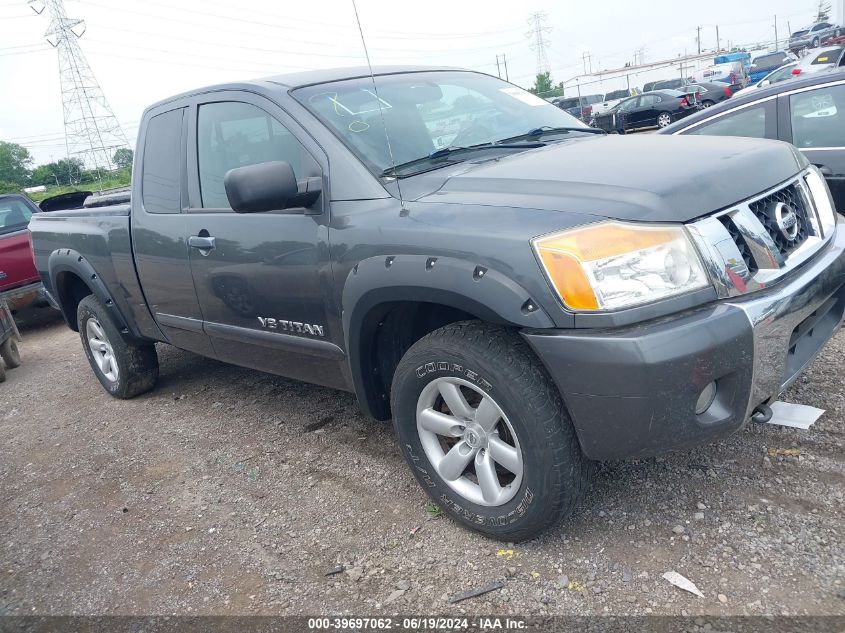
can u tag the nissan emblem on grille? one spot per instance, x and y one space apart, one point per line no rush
785 219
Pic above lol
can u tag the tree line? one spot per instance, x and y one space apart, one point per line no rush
17 170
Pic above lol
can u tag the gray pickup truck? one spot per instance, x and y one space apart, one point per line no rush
440 243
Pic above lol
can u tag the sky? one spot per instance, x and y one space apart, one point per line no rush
144 50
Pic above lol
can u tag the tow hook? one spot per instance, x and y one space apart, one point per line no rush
762 413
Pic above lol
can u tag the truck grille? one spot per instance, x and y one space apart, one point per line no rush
793 198
753 243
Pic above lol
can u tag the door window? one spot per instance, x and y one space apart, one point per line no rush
818 117
649 100
161 182
232 134
750 122
629 105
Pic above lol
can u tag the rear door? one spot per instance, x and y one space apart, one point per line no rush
17 267
262 278
159 231
814 121
645 114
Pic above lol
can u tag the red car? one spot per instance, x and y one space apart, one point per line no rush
20 284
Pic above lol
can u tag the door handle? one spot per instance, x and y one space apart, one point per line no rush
203 244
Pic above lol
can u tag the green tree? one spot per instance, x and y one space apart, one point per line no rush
123 158
544 87
824 11
14 163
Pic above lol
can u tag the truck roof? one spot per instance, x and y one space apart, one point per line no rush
311 77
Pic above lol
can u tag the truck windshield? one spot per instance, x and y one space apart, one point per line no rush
425 112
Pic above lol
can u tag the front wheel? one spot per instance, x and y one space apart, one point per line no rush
10 353
815 43
124 368
663 119
485 432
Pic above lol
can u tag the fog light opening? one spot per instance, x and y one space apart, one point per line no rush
706 398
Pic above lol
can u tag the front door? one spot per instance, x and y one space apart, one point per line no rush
262 279
817 128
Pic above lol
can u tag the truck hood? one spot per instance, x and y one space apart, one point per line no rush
646 177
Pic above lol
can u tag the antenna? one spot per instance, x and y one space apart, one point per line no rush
378 101
92 132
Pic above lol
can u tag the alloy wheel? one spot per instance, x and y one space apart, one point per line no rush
663 120
469 441
101 350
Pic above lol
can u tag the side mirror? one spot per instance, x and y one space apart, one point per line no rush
765 82
261 187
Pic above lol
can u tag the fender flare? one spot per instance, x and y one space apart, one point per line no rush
382 280
66 260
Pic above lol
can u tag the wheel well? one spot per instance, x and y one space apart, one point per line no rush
71 290
392 329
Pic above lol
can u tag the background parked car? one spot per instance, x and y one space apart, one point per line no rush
821 59
711 93
812 36
812 118
764 64
20 284
611 100
658 108
781 74
579 107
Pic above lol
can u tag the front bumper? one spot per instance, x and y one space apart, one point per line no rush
632 391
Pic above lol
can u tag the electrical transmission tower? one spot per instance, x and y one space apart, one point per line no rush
538 41
92 132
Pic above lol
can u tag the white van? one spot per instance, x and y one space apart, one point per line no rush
731 73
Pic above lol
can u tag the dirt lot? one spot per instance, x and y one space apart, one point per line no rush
230 491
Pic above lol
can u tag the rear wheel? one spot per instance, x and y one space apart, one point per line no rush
10 353
815 43
2 372
485 432
663 119
124 368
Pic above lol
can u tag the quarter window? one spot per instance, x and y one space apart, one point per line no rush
162 177
232 134
818 117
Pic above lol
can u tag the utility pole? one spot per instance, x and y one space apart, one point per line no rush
92 132
718 45
587 59
505 62
498 70
698 38
538 41
776 31
499 67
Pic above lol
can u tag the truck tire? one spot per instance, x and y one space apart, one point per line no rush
125 369
485 431
10 353
2 372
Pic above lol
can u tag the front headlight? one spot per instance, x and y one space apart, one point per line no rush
822 200
614 265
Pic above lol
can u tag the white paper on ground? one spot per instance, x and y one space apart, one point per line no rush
682 583
798 416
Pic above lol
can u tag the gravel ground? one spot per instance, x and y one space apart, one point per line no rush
228 491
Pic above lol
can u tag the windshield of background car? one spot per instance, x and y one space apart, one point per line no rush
769 61
14 215
427 111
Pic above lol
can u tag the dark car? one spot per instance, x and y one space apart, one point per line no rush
529 297
711 93
807 112
658 108
579 107
665 84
